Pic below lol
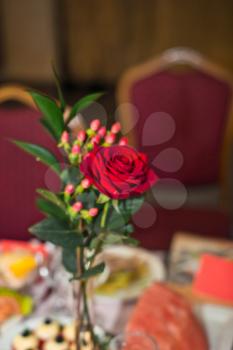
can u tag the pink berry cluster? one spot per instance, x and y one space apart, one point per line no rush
86 139
76 149
77 207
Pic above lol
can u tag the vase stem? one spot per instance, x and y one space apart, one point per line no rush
85 337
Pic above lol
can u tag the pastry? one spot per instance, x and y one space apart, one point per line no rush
47 330
69 332
73 347
58 343
25 341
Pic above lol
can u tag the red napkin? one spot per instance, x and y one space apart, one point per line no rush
215 278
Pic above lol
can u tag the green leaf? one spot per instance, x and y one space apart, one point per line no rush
130 206
117 238
88 199
113 238
69 260
47 126
128 229
51 113
57 232
51 209
70 175
115 203
115 221
83 103
93 271
123 229
42 154
59 90
51 197
131 241
96 240
102 199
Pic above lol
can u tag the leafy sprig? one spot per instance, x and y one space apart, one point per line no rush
78 217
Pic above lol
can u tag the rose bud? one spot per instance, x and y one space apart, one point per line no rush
102 131
86 183
123 141
95 124
69 189
76 149
65 137
96 139
76 207
110 138
116 128
81 136
93 212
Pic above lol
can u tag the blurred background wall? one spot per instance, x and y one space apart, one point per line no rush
94 41
105 37
28 39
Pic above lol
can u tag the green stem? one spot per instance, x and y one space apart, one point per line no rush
102 225
83 283
84 286
104 215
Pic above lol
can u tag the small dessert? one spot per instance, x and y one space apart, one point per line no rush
69 332
73 346
58 343
49 329
26 340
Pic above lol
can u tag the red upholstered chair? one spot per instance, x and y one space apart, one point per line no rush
20 173
185 101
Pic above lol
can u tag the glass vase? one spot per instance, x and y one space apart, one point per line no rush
89 336
85 337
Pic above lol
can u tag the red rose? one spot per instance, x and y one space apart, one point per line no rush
117 171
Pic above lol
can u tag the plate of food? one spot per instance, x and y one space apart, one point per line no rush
43 333
128 272
20 262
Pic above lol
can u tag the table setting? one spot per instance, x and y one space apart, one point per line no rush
112 310
83 282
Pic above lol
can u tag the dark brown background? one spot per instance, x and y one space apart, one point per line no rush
96 40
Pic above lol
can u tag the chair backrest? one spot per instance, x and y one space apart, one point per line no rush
20 173
179 100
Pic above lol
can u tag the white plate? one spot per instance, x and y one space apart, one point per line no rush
156 271
225 341
218 322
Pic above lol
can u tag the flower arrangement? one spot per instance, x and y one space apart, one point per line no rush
102 186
